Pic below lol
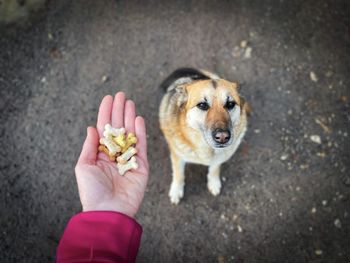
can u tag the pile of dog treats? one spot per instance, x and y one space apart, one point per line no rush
119 147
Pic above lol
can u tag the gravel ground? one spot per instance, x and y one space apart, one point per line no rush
286 192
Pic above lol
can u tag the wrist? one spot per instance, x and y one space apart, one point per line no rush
111 208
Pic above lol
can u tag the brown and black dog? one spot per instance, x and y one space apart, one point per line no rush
203 119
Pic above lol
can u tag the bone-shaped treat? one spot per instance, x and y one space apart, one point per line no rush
109 131
130 140
123 159
103 148
113 148
131 164
120 140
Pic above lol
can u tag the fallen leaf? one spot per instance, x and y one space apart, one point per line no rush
323 126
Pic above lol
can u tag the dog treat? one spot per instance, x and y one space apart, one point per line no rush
103 148
113 148
120 140
123 159
119 147
131 164
130 140
110 131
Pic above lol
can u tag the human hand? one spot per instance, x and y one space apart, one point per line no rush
100 185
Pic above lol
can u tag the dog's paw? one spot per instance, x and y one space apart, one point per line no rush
176 193
214 186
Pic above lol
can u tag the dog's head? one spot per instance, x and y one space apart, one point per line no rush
213 107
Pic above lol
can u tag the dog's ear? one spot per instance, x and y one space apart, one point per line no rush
181 95
245 105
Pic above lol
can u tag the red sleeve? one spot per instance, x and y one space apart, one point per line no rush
100 236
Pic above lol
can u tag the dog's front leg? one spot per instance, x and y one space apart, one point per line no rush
178 183
214 183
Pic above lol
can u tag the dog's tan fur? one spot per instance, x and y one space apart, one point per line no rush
186 127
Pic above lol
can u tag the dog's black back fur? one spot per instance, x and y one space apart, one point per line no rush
182 73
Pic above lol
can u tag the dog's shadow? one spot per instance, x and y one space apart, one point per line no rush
196 181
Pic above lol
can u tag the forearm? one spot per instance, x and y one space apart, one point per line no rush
100 236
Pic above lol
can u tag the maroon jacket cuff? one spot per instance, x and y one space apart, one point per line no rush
102 236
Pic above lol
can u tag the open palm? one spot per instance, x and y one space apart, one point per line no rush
101 187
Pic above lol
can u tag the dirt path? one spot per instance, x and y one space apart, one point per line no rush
286 193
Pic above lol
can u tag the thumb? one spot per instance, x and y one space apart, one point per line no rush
88 154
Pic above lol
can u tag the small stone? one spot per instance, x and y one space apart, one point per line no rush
329 74
324 202
313 76
244 43
234 217
321 154
252 34
304 166
104 79
284 157
315 139
236 52
239 228
256 131
313 210
318 252
297 188
248 52
337 223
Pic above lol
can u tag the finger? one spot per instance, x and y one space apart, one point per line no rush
118 110
88 154
104 113
129 116
140 131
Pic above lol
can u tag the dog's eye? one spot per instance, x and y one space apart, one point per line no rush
230 105
203 106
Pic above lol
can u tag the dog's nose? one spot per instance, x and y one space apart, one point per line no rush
221 136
